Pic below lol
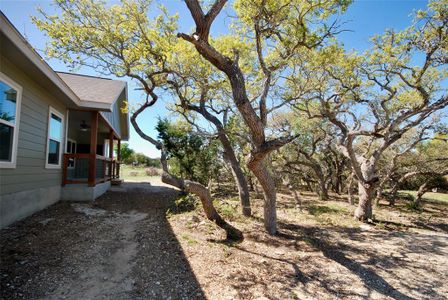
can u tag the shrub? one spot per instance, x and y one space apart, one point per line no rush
151 171
184 203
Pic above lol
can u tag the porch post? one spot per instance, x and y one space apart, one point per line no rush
93 146
111 153
118 157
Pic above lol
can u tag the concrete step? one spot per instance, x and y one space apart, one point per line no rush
117 181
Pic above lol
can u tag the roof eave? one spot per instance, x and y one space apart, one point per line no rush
17 39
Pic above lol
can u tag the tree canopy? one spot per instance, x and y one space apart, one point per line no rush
280 92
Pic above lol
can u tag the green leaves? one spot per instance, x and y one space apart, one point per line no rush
117 39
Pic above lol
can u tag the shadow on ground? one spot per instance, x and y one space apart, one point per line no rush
119 247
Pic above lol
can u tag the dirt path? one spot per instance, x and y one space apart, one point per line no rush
111 277
120 247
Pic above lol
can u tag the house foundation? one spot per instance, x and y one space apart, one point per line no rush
83 192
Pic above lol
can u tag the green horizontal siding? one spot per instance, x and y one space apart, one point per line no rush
30 172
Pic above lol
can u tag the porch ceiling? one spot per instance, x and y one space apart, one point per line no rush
77 117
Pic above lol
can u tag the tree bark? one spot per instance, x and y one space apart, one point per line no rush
230 67
366 192
270 196
322 189
243 190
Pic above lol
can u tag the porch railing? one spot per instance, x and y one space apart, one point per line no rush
84 168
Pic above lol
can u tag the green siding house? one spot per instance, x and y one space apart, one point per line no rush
58 131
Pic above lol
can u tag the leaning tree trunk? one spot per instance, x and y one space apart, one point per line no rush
207 204
394 190
186 185
424 188
366 193
229 154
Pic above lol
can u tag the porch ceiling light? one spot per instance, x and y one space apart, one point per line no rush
84 126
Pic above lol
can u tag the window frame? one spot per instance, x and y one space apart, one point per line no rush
53 111
73 142
13 163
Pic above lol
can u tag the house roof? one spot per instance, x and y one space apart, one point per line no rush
94 91
75 90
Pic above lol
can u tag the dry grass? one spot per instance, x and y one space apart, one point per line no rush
320 252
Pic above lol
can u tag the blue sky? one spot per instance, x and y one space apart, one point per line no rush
364 18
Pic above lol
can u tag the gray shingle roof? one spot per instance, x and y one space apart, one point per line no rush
93 89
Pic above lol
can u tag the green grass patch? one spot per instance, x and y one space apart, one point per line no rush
190 240
228 210
427 197
318 210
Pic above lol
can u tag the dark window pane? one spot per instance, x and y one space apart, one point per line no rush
53 152
6 137
69 147
8 99
55 127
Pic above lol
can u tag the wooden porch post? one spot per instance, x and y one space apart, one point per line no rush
93 146
118 157
111 153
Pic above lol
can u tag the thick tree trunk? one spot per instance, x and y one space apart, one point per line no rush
322 190
255 123
366 192
267 183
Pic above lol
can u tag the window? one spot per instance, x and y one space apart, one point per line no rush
71 148
10 98
55 129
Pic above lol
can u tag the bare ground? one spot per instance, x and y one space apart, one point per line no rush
126 246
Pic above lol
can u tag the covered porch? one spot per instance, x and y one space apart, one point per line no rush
92 155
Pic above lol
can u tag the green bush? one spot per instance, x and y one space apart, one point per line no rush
184 203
